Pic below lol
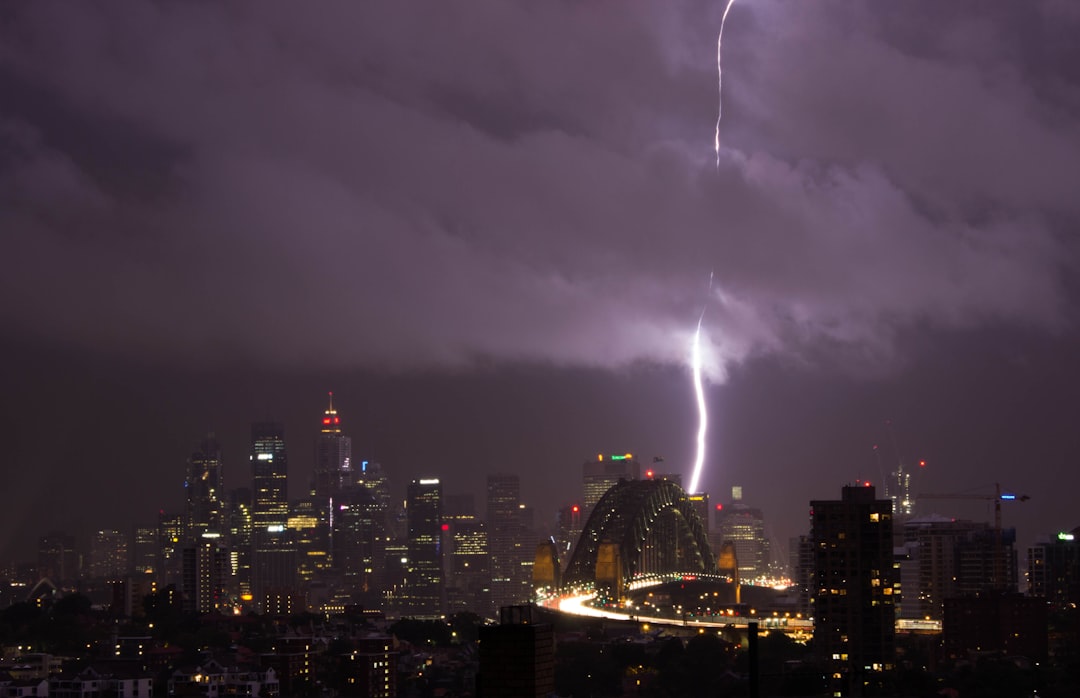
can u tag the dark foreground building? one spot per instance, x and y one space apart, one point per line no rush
853 587
517 657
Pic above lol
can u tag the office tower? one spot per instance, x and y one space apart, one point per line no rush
205 570
1054 570
203 486
240 539
517 657
144 550
309 524
275 563
511 545
357 544
269 467
854 615
274 557
945 558
744 526
109 554
602 474
58 560
570 526
468 574
700 502
170 542
423 592
333 456
801 551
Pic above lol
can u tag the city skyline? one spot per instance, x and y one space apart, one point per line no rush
489 231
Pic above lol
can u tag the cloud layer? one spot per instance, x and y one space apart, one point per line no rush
401 186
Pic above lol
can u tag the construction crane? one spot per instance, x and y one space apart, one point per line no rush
997 497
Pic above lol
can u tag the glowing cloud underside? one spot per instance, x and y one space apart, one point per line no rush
720 79
699 394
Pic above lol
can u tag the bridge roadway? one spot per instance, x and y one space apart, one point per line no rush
578 602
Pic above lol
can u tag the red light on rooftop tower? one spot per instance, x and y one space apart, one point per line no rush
922 464
719 507
649 474
866 484
575 508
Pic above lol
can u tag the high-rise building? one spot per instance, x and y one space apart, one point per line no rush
275 566
57 558
468 574
570 526
744 527
170 540
309 526
204 578
511 544
853 592
274 557
109 554
240 538
269 469
517 657
333 456
144 549
602 474
946 558
357 544
1054 569
204 488
423 595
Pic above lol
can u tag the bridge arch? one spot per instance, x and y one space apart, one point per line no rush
654 526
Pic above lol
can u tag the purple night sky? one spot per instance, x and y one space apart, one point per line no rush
489 228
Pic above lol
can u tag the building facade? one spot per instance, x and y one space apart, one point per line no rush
854 587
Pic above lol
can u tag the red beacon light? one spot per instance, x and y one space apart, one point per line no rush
649 474
575 508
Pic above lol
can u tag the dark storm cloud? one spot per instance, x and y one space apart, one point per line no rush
409 186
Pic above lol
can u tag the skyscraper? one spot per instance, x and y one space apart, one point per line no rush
602 474
109 554
269 469
468 570
510 544
205 508
423 593
57 558
744 526
853 587
333 456
274 558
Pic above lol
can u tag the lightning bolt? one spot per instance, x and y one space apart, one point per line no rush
720 78
699 396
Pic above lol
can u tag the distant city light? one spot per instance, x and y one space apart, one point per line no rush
1066 536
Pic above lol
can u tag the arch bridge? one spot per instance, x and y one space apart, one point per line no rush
639 527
